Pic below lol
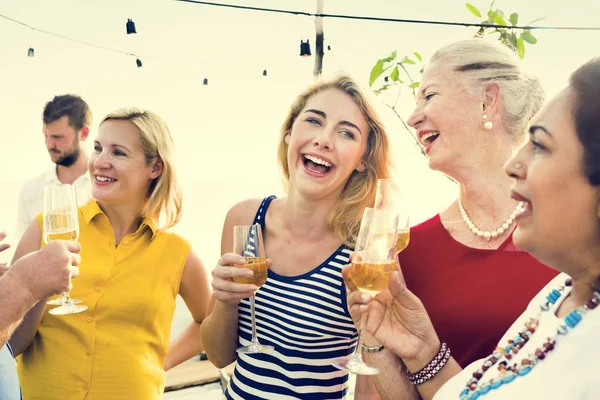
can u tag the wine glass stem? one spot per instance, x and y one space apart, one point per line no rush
67 298
253 313
358 350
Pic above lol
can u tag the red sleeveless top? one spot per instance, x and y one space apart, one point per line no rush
472 295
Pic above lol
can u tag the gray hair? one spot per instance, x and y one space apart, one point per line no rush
483 62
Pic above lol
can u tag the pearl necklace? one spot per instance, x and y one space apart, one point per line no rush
507 373
488 235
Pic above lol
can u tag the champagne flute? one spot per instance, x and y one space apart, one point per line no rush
248 243
389 197
373 262
61 299
61 223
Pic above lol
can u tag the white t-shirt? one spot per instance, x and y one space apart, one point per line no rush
571 371
31 198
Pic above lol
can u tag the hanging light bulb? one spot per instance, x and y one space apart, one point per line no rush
264 72
205 82
30 52
138 62
130 26
305 48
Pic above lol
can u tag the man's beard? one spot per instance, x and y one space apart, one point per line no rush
69 159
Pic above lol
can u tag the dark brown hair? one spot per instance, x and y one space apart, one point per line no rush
585 83
70 105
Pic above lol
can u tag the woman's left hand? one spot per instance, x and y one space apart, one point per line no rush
396 318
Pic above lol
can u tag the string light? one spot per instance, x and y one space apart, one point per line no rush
30 52
130 26
304 48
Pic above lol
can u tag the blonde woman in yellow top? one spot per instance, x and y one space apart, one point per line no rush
132 271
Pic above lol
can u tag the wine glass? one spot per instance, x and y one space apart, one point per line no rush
373 262
60 222
248 243
389 197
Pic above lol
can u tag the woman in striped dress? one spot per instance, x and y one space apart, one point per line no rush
333 149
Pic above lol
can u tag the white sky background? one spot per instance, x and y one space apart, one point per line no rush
226 133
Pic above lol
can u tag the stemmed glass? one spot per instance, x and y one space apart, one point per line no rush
248 243
389 197
373 262
60 222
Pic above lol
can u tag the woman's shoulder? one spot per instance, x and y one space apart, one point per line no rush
243 212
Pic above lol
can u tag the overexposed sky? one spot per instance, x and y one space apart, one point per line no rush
231 126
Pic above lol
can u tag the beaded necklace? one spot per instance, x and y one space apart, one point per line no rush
508 373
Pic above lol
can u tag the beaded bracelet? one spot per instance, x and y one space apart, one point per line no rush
431 369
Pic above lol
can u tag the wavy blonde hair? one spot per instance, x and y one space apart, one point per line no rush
359 192
164 197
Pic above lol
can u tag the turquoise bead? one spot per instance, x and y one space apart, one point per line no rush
496 384
524 371
485 389
464 393
573 319
509 379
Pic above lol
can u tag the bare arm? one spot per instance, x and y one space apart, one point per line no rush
15 301
196 292
23 336
219 330
34 277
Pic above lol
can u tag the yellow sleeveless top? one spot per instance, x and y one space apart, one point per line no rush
115 350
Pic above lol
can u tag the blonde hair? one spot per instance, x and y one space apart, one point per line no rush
359 191
164 197
482 62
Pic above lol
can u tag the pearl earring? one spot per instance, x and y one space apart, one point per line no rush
487 125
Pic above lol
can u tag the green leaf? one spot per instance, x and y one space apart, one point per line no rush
376 72
514 19
381 89
418 55
528 37
395 74
497 18
521 47
391 57
380 67
473 10
414 85
407 60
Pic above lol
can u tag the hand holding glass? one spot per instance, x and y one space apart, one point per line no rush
373 262
60 222
248 243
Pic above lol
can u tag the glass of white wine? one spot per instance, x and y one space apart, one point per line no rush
373 262
60 222
248 243
389 197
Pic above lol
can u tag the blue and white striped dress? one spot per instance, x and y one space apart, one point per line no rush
306 319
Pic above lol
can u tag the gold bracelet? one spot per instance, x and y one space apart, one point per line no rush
372 349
